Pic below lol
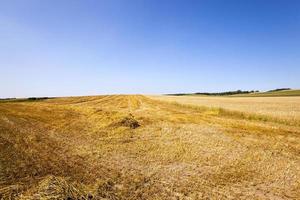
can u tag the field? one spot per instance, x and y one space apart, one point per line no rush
239 93
150 147
279 93
283 109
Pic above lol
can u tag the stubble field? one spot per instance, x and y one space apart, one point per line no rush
150 147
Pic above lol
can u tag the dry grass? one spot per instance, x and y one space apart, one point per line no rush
135 147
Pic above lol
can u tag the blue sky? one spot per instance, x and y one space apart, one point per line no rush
62 48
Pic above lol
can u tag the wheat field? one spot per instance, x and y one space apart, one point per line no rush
284 108
150 147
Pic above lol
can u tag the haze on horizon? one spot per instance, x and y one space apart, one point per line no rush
62 48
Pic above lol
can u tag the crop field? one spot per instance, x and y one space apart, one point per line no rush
119 147
284 109
279 93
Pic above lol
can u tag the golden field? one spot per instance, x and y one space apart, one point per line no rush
281 108
150 147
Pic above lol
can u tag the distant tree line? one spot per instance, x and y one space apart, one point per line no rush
279 89
38 98
7 99
25 99
217 93
227 93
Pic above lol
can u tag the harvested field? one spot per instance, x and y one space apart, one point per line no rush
138 147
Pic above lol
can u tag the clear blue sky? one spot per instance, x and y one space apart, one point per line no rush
61 48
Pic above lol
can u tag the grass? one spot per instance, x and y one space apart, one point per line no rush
137 147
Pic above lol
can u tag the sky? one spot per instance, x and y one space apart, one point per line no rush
90 47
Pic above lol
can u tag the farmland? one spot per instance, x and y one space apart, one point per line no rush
274 93
285 109
150 147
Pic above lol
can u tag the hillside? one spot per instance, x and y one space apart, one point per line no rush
240 93
271 94
136 147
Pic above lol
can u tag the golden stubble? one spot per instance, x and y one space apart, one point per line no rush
138 147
